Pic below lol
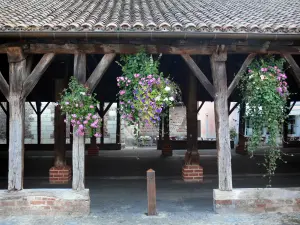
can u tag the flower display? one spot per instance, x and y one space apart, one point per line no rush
144 92
80 109
265 92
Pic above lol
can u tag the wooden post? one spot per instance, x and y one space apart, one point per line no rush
241 148
38 114
160 132
167 147
285 127
218 68
192 154
78 141
17 75
151 191
102 124
7 122
59 129
118 128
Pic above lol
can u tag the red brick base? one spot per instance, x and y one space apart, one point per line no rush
92 151
167 150
60 175
192 173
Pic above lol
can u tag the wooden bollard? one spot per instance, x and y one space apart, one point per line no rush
151 190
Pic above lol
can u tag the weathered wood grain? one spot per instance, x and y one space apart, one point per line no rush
37 73
4 88
296 69
17 74
99 71
218 68
199 74
78 147
239 75
151 191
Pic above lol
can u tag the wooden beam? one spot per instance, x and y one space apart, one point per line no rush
291 108
2 107
102 124
233 108
118 128
200 107
199 74
107 108
78 150
176 49
238 76
296 69
29 62
218 68
99 71
37 73
33 107
4 87
17 73
39 121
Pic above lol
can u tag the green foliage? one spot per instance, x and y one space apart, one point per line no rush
80 108
265 94
233 133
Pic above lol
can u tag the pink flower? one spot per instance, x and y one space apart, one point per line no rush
90 114
121 103
85 122
91 106
78 122
80 127
74 115
97 135
94 116
250 71
121 78
136 75
80 133
73 121
149 76
122 92
65 120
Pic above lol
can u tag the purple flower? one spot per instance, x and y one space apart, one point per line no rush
279 90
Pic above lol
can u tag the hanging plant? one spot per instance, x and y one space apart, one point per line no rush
144 91
265 92
80 106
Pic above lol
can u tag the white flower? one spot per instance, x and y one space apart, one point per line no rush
166 99
157 98
82 93
262 77
167 88
250 76
171 99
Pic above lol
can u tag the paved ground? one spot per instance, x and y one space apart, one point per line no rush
116 180
124 202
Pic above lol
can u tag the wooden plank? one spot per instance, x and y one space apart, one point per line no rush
37 73
4 109
200 107
99 71
291 108
155 48
218 68
233 108
39 128
29 62
239 75
296 69
17 73
199 74
78 147
107 108
151 192
4 87
102 123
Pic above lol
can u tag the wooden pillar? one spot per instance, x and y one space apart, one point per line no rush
38 114
192 155
59 129
7 122
118 128
17 75
78 150
241 147
167 146
192 171
218 68
159 141
102 124
285 127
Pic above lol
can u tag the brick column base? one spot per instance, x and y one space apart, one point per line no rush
93 151
60 175
192 173
167 150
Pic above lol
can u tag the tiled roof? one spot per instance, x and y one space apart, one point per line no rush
251 16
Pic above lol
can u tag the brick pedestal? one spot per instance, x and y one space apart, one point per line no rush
192 173
60 175
93 151
167 150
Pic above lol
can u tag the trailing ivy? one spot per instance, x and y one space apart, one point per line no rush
265 92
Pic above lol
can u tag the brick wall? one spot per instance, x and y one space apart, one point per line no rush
257 200
45 202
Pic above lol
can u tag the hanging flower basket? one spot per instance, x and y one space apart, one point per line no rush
80 106
144 91
265 92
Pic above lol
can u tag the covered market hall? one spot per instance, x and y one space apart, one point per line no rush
205 46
